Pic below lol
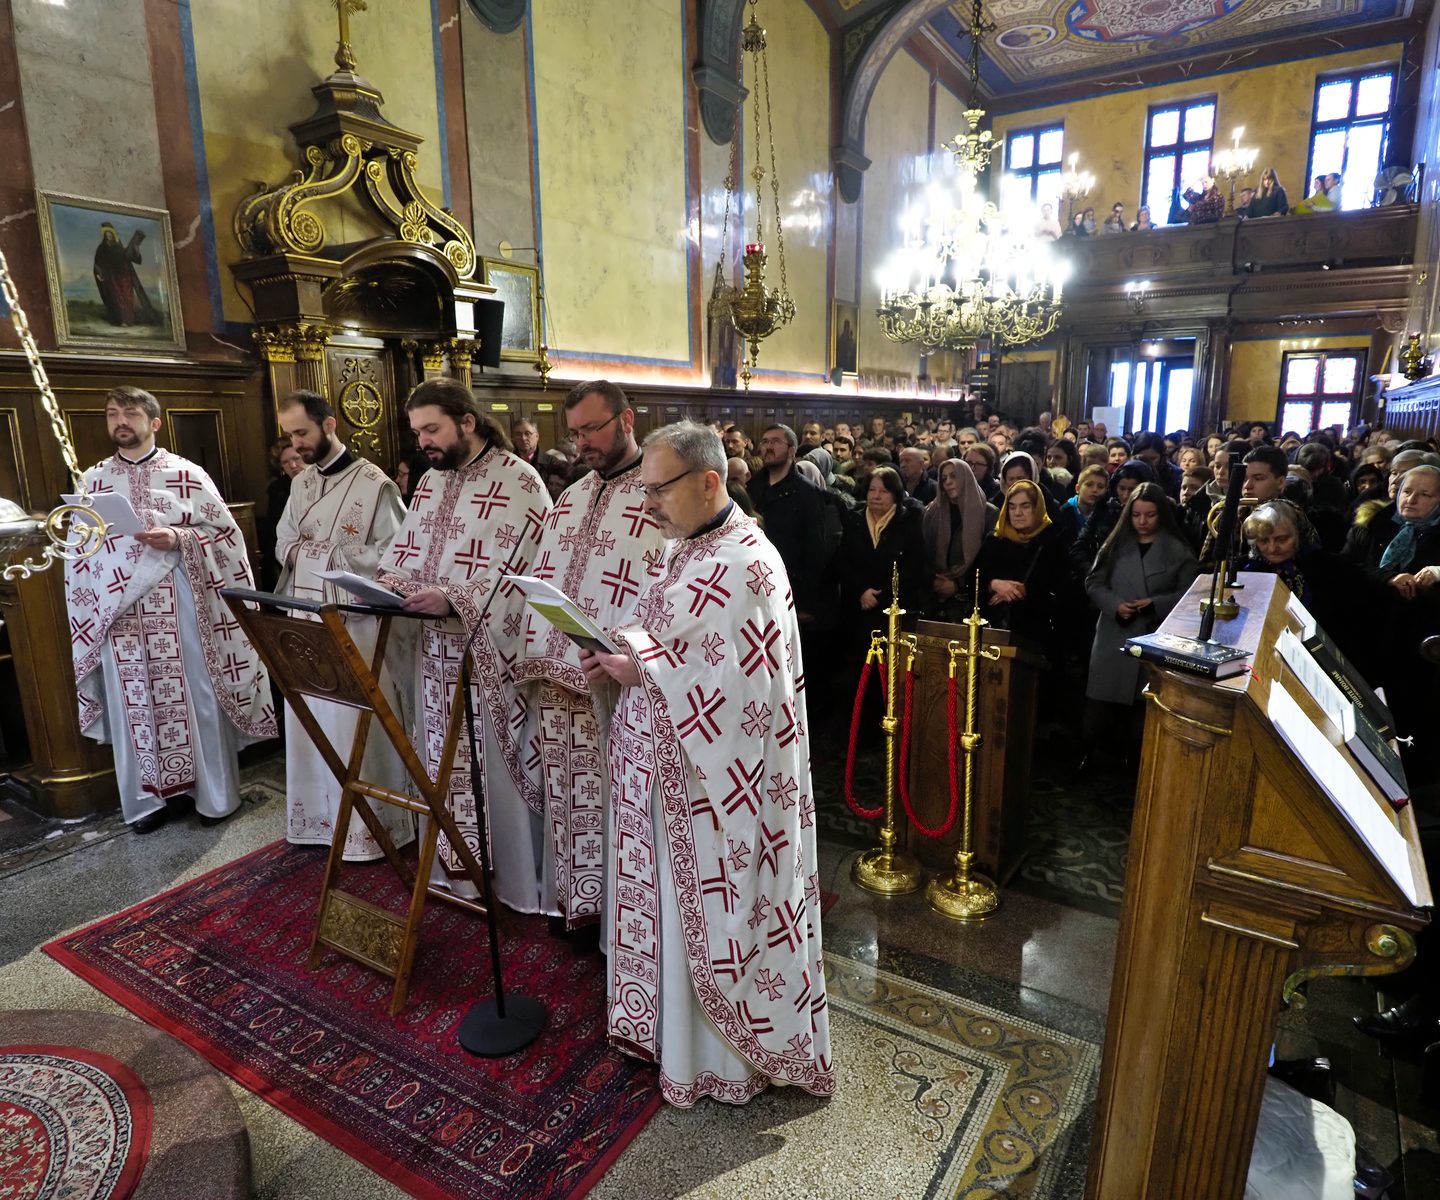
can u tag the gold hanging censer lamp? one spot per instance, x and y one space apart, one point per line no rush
754 310
965 894
73 531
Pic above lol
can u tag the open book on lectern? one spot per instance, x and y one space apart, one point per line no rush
563 613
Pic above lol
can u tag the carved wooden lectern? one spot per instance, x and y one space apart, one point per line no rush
317 658
1006 720
1245 880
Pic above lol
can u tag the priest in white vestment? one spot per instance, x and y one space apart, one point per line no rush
714 938
162 669
475 515
342 513
600 547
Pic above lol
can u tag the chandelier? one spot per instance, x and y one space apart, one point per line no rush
754 310
964 271
1235 163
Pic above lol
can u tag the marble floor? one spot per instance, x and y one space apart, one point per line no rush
1038 960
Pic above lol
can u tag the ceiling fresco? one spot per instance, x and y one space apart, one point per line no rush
1043 44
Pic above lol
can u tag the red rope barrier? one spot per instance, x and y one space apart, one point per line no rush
904 765
865 814
949 824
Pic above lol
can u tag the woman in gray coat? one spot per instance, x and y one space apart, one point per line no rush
1142 570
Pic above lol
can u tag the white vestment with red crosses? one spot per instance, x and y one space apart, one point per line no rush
601 549
714 944
162 669
339 522
464 529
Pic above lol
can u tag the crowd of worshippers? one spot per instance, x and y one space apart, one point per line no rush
1202 203
586 777
1076 540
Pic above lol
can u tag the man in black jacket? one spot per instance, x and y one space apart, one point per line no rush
793 514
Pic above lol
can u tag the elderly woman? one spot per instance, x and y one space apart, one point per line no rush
984 463
1022 566
1143 568
881 536
953 526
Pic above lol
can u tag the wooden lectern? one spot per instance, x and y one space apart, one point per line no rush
316 657
1245 880
1009 687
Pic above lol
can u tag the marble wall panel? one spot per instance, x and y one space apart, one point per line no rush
255 65
89 104
1273 103
897 140
610 122
497 111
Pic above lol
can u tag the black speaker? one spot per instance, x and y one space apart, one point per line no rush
489 320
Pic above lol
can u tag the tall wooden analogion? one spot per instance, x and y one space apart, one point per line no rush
1245 880
361 321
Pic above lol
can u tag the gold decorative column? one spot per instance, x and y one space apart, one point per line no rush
885 870
462 354
432 360
311 338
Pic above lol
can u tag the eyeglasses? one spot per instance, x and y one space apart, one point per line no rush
589 431
655 489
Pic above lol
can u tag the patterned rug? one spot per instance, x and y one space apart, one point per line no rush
220 963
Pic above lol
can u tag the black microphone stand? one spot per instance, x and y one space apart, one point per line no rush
1224 550
500 1025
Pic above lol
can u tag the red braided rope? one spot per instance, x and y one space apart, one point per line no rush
904 765
951 722
865 814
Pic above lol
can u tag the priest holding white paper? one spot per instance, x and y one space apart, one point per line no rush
342 514
599 548
714 938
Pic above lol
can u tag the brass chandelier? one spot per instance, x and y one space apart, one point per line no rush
754 310
965 272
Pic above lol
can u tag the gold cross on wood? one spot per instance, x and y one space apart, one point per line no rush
345 55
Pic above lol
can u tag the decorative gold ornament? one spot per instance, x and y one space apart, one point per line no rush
361 402
1413 362
755 310
432 356
965 894
885 870
462 354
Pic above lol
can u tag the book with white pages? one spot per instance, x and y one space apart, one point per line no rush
114 509
563 613
1339 779
1380 760
363 588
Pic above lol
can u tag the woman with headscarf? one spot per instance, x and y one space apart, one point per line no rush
1127 477
953 526
1022 566
1402 541
1021 464
885 534
1143 568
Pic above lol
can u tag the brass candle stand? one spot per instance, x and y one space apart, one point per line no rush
885 870
964 894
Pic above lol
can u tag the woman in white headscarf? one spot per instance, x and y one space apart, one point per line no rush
953 525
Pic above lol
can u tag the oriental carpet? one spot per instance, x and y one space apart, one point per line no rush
220 962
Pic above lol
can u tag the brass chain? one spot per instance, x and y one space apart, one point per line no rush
37 370
774 175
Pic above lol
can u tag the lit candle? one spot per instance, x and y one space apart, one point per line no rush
754 247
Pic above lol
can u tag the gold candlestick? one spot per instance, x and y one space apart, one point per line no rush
885 870
964 894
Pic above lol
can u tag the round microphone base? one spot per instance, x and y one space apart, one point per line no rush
486 1033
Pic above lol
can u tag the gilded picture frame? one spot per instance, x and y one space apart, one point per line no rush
111 270
844 337
518 286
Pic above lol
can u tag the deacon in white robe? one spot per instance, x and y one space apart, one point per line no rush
475 515
600 547
714 940
342 513
162 670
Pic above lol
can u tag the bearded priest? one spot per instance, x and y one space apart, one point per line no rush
162 669
714 932
476 513
342 513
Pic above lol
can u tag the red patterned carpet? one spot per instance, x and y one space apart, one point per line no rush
220 963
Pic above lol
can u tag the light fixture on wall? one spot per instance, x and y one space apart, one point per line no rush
1075 185
755 311
965 273
1137 292
1235 163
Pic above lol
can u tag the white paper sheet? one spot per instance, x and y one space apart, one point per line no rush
114 509
363 589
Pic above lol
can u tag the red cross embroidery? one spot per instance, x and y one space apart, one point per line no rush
787 925
545 569
226 536
735 963
782 790
118 580
759 580
182 485
770 984
234 667
702 712
719 885
757 1024
492 498
708 591
792 730
226 625
746 789
82 631
405 549
760 649
772 841
622 584
639 519
473 558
